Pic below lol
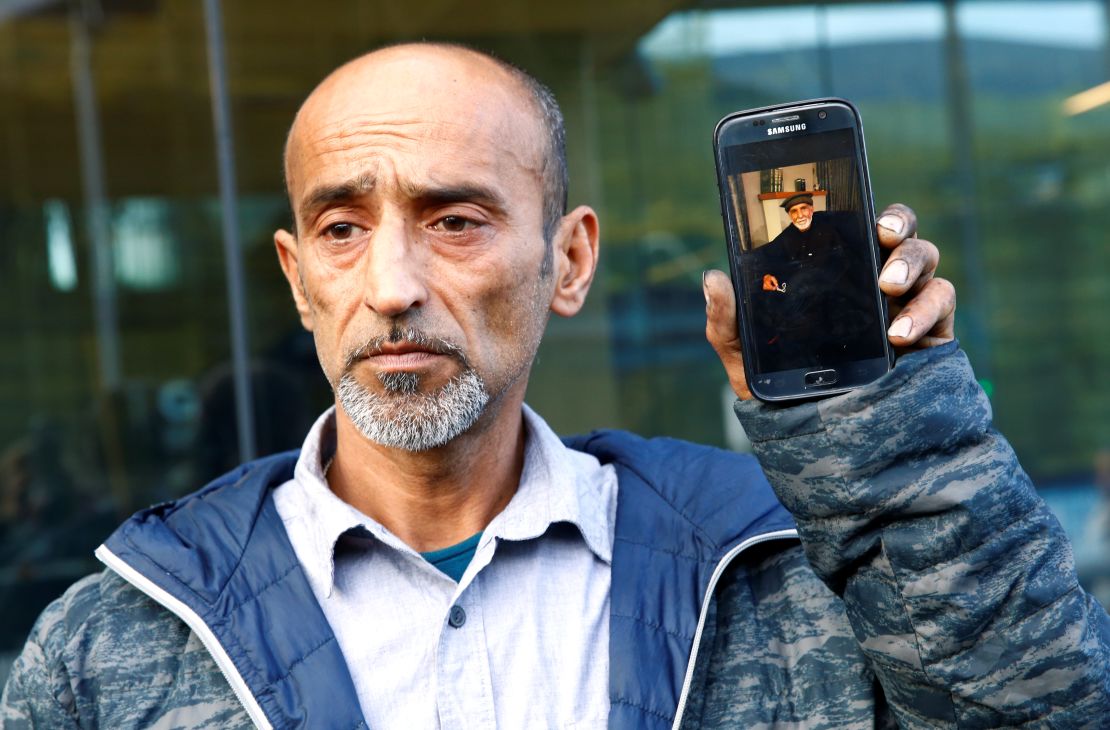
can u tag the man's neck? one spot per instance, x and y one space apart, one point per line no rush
437 498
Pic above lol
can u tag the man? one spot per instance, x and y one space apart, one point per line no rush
435 557
799 208
812 296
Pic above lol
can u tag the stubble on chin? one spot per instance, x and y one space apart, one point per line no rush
401 416
414 421
401 383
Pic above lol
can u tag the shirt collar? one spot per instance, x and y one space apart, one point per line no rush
557 484
325 516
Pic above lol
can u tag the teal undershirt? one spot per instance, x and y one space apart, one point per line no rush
452 561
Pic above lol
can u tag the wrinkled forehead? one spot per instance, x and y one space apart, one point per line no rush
424 105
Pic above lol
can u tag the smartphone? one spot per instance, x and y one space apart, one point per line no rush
802 248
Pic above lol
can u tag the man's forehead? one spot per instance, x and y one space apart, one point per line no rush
409 74
417 95
446 185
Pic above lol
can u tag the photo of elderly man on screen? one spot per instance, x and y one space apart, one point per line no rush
807 266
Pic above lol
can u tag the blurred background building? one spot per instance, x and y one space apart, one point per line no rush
149 341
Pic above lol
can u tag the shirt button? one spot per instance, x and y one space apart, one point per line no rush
456 617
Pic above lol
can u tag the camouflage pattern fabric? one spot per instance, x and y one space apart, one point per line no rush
778 651
955 578
105 655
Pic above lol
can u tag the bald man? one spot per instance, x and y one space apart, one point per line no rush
434 556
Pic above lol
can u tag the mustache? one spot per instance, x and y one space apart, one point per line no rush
408 335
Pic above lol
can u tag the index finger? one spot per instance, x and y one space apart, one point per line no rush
895 224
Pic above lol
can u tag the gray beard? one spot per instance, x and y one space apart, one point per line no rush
402 418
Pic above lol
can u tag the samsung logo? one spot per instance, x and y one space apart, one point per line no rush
786 128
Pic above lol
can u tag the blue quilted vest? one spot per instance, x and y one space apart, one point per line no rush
221 560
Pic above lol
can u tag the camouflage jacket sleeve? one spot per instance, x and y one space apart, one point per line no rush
958 581
104 655
39 691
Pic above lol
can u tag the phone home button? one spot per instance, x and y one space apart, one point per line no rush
819 378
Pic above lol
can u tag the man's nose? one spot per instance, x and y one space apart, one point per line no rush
393 270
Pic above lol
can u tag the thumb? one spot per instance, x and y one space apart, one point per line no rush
721 328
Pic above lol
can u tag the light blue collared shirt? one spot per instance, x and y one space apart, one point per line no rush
522 640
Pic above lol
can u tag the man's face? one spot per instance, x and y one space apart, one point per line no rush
801 215
415 181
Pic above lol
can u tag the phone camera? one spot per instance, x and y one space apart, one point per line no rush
822 115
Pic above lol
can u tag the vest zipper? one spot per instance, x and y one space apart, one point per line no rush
194 622
717 572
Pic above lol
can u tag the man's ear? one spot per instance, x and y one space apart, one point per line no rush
287 252
575 251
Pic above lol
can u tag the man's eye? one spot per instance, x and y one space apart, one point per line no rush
341 231
453 224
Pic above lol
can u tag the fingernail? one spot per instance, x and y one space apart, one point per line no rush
705 287
901 327
892 223
895 272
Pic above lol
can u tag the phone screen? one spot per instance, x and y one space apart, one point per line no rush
802 244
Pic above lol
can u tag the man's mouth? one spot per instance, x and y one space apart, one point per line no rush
402 356
404 350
